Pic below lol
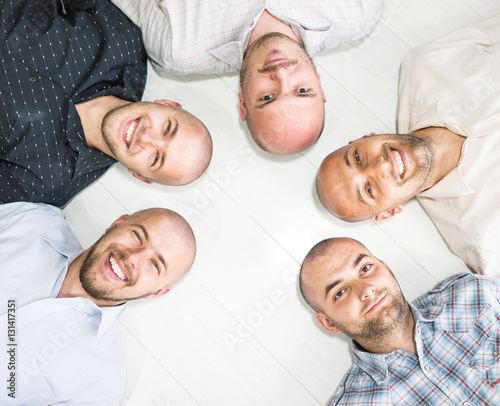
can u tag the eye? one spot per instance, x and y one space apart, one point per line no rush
357 158
366 268
339 294
266 97
155 160
304 90
138 236
167 130
369 190
156 265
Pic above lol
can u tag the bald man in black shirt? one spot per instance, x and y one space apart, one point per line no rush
74 73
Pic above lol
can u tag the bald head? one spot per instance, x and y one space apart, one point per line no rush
158 142
334 190
316 262
283 134
169 230
375 175
140 256
192 157
281 96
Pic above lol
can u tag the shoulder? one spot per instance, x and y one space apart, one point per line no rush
28 227
359 388
29 215
465 291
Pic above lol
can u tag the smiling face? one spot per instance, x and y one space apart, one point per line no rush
281 96
139 256
158 142
374 176
353 292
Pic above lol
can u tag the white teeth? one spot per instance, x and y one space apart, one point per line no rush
115 268
130 130
400 163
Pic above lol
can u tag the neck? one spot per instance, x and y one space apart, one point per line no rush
268 23
91 114
447 147
402 338
71 286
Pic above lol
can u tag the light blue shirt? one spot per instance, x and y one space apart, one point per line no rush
61 351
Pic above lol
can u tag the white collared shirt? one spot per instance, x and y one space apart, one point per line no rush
67 351
454 82
211 36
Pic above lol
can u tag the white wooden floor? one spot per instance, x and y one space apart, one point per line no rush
235 331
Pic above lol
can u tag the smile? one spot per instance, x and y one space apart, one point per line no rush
379 303
399 162
130 131
116 268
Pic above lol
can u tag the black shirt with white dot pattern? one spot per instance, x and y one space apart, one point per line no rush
55 54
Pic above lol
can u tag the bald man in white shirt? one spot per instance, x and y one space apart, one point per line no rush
446 153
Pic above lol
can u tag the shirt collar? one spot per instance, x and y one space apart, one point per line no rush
232 52
70 249
377 365
106 315
453 184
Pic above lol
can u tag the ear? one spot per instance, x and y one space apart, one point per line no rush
389 213
326 323
158 293
140 177
243 107
117 221
169 103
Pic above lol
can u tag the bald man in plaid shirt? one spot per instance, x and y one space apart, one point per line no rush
270 42
441 349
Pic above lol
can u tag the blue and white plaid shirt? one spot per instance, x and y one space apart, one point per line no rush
457 333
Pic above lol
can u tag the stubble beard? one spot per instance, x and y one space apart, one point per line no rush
89 277
424 156
381 328
247 62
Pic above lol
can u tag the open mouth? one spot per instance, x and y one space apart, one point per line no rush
130 132
400 166
116 269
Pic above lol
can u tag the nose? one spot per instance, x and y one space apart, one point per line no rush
150 139
380 168
366 291
281 73
137 257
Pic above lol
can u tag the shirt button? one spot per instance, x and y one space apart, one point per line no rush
32 79
466 403
427 368
496 354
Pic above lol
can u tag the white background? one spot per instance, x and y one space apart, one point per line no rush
235 331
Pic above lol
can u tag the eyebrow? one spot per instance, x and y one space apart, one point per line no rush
267 102
146 235
358 259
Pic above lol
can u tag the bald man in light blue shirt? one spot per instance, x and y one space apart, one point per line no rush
59 304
